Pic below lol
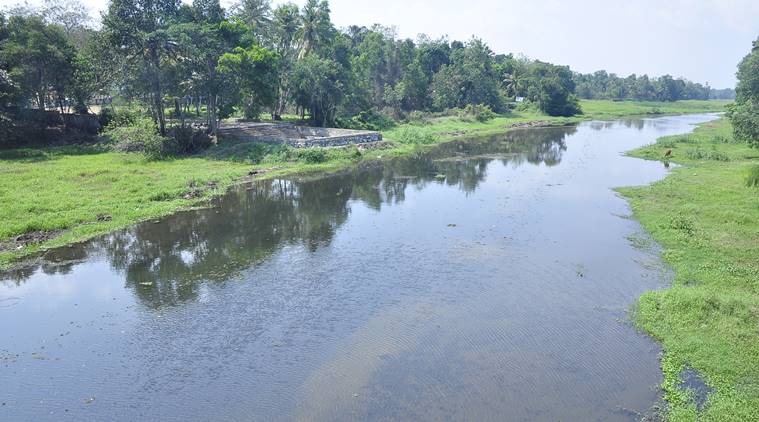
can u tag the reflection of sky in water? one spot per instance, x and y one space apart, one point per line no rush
385 292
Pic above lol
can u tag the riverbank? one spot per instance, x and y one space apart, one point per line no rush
57 196
704 215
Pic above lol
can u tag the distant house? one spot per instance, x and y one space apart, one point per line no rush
519 99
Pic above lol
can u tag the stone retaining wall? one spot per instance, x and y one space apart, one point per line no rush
297 136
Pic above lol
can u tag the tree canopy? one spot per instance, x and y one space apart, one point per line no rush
745 113
254 58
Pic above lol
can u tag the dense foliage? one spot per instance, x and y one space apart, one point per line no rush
609 86
200 63
745 113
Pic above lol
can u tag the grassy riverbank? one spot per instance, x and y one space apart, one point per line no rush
55 196
707 220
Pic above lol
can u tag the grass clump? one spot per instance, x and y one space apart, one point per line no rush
753 177
414 135
705 217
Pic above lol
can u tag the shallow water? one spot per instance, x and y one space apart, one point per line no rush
488 280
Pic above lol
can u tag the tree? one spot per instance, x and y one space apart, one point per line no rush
470 78
286 18
257 14
253 73
38 57
138 31
318 87
744 115
201 43
8 92
316 27
72 16
552 88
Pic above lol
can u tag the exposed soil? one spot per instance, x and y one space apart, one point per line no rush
29 238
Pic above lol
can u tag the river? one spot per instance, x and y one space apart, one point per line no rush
488 280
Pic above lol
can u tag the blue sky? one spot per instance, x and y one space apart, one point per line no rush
701 40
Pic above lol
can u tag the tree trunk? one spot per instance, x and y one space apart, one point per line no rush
212 98
212 119
41 92
157 94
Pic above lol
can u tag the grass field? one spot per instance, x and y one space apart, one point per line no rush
706 218
68 194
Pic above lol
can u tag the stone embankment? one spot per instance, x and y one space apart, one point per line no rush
296 136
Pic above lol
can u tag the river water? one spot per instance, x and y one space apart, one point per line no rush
487 280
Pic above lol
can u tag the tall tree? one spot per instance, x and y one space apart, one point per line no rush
744 115
253 73
39 58
257 14
285 24
201 43
138 31
316 27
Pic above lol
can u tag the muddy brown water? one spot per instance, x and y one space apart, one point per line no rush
487 280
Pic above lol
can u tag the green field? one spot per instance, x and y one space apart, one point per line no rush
707 220
69 194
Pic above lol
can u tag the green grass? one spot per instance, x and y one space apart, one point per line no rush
706 217
602 109
68 188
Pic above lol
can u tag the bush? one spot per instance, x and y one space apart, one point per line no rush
277 153
367 120
312 155
752 180
159 148
189 141
700 154
141 137
6 131
419 116
666 142
683 224
414 135
480 112
745 120
111 119
256 152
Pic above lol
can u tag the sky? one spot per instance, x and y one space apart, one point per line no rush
701 40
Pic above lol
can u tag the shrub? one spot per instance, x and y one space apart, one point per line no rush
367 120
188 140
6 131
256 152
312 155
666 142
142 137
419 116
111 119
277 153
753 177
159 148
700 154
480 112
414 135
683 224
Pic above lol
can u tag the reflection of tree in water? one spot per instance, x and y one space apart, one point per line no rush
537 146
638 124
65 258
169 263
